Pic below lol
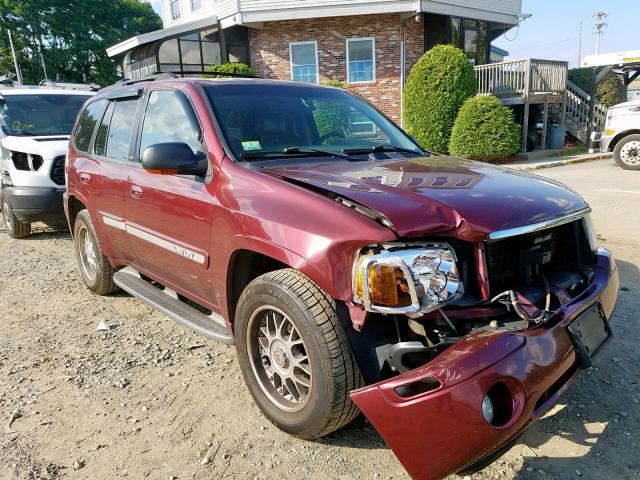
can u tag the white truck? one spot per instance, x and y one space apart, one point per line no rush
35 123
621 134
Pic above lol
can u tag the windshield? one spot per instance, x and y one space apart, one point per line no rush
29 115
262 121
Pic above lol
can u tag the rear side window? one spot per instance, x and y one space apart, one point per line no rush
87 124
169 118
120 129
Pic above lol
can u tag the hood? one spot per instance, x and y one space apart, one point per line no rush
441 195
47 147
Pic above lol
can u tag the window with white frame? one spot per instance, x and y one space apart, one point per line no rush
361 63
196 5
304 61
174 8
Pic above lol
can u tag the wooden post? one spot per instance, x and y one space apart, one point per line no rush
525 125
545 121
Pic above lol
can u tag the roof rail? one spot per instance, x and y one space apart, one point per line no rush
92 87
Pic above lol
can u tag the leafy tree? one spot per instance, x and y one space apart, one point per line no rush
436 88
71 35
485 130
610 90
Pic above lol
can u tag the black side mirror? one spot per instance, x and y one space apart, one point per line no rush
173 158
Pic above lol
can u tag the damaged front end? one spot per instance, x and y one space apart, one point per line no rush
464 344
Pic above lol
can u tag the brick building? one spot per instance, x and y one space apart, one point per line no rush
368 45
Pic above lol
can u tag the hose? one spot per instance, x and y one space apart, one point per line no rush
512 300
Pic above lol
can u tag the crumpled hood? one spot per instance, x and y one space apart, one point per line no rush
441 195
47 147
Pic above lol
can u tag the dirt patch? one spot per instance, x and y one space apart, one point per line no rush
149 399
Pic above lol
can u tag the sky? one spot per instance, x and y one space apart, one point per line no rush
552 31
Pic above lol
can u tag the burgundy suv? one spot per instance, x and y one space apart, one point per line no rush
452 302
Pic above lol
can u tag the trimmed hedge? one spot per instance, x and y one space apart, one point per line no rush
436 88
485 130
234 68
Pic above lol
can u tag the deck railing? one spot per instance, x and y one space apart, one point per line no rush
519 78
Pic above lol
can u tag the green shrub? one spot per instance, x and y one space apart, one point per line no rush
234 68
485 130
335 83
436 88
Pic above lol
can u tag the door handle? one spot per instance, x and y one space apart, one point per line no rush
136 191
85 178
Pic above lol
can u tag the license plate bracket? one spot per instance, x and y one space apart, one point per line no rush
590 332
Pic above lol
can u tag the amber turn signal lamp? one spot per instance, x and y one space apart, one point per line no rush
382 285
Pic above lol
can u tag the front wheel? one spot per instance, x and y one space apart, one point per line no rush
294 355
627 152
14 227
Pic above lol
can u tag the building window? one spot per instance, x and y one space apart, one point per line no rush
471 36
361 125
361 64
304 61
196 5
174 8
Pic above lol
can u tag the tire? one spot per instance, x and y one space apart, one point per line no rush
14 227
97 272
307 315
627 152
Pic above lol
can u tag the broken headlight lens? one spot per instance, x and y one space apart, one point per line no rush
590 230
412 280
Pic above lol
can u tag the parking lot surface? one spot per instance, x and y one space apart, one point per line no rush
148 399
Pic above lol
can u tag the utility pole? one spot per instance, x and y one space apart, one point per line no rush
599 24
579 44
15 59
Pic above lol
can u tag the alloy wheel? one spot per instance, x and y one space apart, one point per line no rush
279 358
88 252
6 215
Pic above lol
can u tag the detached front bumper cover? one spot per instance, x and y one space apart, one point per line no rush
439 430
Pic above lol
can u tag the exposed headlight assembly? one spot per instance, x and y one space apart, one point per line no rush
409 280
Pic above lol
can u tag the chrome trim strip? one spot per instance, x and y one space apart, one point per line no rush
534 227
162 243
155 240
112 222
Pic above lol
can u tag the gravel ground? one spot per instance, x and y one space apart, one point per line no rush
149 399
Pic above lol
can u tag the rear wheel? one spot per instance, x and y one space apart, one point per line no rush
97 272
14 227
294 355
627 152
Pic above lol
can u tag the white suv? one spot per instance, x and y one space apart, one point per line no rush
35 123
621 134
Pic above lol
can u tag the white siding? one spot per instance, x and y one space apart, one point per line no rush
506 11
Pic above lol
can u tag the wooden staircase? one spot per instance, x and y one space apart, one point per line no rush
576 110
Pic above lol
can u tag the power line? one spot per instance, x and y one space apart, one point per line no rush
599 24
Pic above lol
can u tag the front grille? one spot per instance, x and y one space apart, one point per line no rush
26 162
57 170
517 262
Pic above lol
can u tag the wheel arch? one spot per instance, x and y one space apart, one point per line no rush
620 136
74 205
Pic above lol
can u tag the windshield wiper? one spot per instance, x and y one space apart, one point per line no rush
379 148
294 151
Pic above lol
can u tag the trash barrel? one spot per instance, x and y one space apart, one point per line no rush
555 135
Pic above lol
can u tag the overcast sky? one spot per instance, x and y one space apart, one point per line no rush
552 30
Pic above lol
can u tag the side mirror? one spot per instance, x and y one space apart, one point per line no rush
174 158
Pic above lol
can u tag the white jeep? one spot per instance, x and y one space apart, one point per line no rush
35 123
621 134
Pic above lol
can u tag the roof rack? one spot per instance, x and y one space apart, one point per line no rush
92 87
175 74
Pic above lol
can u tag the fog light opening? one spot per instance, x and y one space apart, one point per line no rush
497 405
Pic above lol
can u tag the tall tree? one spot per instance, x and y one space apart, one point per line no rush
71 35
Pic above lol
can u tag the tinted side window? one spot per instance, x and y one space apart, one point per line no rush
101 135
169 118
87 124
120 129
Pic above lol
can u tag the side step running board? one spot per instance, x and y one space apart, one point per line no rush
210 326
